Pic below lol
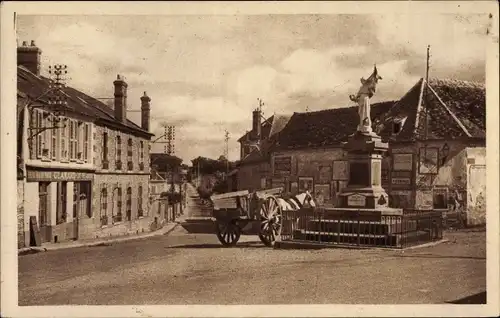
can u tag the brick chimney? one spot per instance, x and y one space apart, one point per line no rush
145 110
120 98
256 124
29 57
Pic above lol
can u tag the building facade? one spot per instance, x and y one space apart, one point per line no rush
436 159
254 167
83 166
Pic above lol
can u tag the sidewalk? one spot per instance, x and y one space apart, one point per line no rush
166 229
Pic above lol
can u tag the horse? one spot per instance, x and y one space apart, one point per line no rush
295 203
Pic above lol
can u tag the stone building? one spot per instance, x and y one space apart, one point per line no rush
256 146
83 166
436 160
309 154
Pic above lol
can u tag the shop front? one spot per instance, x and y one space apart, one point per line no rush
55 202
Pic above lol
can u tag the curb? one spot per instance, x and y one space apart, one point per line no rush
316 246
38 249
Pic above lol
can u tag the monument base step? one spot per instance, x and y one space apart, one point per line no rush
389 240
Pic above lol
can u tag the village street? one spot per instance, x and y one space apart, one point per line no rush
186 268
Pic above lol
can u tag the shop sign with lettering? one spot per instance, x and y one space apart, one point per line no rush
283 165
34 175
356 200
403 161
401 181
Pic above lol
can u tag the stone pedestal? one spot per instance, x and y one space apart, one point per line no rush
364 189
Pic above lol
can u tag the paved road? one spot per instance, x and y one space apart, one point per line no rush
184 268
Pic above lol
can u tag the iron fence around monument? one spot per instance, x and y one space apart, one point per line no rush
361 228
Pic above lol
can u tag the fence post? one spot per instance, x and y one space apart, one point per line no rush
357 230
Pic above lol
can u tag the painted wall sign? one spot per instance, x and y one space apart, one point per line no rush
402 162
356 200
35 175
283 165
401 181
340 170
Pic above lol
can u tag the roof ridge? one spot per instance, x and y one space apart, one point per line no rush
421 81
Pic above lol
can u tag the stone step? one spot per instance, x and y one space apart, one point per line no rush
390 240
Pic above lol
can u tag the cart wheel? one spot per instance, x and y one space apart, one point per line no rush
228 233
270 221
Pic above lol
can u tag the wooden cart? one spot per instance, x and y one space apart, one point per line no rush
235 211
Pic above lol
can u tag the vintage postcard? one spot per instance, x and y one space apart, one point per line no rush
249 159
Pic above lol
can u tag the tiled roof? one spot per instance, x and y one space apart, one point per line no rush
455 109
325 127
33 86
270 127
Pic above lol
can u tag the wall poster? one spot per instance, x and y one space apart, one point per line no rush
306 184
423 200
402 162
283 165
322 193
340 170
428 160
325 174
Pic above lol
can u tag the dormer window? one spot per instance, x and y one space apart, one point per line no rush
397 125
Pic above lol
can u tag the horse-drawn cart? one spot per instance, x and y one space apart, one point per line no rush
235 211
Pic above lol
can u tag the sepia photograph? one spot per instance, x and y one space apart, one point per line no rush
243 155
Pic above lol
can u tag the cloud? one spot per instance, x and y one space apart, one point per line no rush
205 73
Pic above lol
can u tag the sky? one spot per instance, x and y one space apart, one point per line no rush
204 73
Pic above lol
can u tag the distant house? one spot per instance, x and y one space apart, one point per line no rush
256 146
83 166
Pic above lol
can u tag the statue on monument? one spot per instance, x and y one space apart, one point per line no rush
366 91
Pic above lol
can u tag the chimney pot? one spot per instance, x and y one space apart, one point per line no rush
29 57
120 99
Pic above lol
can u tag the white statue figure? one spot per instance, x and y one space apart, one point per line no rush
366 91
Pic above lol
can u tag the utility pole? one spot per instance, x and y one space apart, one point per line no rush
226 150
425 91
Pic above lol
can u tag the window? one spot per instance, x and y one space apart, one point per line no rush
79 144
73 129
128 204
141 153
43 203
440 198
61 202
64 142
86 137
105 150
140 211
118 216
53 143
130 165
118 152
104 206
39 134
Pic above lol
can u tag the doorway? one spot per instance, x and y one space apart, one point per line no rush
81 205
